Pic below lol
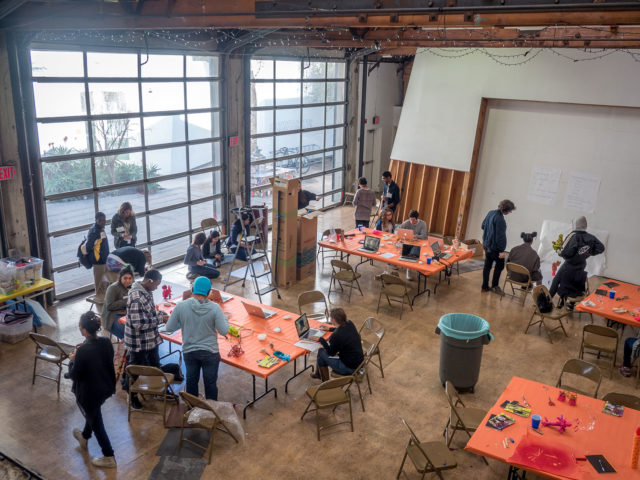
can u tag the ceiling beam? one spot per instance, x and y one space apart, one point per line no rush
8 6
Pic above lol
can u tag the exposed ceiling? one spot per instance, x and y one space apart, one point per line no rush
388 27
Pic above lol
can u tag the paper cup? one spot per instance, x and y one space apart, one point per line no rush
535 421
428 260
612 294
262 337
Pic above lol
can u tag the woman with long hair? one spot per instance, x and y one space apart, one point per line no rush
123 227
115 302
385 223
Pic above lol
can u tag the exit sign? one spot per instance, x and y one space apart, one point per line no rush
7 173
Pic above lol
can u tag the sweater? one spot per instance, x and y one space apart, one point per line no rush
364 200
379 226
304 197
494 232
578 246
346 344
200 324
115 304
419 229
527 257
118 228
94 379
193 256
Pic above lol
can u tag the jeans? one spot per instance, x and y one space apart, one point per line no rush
489 259
628 350
117 329
242 253
94 424
364 223
324 360
205 270
208 362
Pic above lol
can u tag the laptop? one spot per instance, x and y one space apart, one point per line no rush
371 244
218 296
410 253
303 329
437 253
405 234
258 311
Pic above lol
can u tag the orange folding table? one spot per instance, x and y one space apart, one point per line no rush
388 252
627 297
554 454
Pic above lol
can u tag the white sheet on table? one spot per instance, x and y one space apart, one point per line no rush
307 345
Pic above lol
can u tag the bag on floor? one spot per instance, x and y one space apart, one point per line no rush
544 303
174 369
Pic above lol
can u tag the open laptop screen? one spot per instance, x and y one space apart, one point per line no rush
371 243
435 246
302 325
411 251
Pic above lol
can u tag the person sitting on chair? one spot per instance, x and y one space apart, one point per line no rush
631 351
414 223
196 262
385 223
568 283
115 302
343 351
236 231
527 257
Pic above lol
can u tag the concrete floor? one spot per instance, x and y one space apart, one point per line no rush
37 423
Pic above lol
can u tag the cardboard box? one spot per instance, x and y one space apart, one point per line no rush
307 246
475 246
284 230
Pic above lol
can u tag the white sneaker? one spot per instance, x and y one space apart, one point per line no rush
104 462
77 434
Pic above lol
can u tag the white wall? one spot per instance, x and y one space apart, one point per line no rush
439 118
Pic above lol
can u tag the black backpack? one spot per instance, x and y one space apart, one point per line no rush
83 256
544 303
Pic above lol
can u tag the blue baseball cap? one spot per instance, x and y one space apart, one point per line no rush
201 286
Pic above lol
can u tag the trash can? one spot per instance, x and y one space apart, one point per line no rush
462 337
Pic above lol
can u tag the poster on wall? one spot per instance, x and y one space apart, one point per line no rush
543 185
582 192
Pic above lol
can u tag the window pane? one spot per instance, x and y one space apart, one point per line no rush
202 66
59 99
287 69
205 185
261 148
168 250
199 212
112 169
336 70
313 92
203 125
204 155
162 66
109 202
113 98
335 137
202 95
48 63
261 121
72 279
313 185
335 91
287 93
65 247
333 159
114 134
335 114
69 213
289 168
166 161
164 129
141 222
287 119
261 94
112 64
162 96
312 141
62 177
261 68
312 164
287 144
333 181
312 117
62 138
260 174
313 69
168 223
167 192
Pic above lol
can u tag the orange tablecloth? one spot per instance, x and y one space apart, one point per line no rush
592 432
387 245
604 305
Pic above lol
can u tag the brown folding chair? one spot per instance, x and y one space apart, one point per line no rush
344 273
212 224
396 289
360 373
372 331
461 417
321 250
581 369
329 394
557 314
48 350
624 399
210 424
601 340
427 457
314 297
523 288
145 380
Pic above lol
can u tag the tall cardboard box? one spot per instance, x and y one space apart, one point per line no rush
307 245
284 230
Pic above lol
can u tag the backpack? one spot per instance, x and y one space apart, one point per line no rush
544 303
83 256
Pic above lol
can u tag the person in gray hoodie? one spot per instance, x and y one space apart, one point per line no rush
200 320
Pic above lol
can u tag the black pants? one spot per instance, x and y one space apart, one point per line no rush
364 223
94 424
150 358
489 259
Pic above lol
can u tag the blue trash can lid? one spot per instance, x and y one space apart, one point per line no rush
464 326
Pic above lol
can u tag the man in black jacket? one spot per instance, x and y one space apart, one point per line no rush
391 192
580 245
343 351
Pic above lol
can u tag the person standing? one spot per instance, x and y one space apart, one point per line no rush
94 381
391 192
123 227
201 320
579 245
494 241
195 260
526 257
115 302
128 255
364 200
141 335
97 246
419 227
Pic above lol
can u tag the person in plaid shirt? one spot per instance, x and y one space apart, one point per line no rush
141 330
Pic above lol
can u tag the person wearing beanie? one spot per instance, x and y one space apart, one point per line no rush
494 241
201 320
580 245
527 257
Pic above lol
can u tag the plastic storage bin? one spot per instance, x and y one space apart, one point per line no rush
16 331
26 269
462 337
